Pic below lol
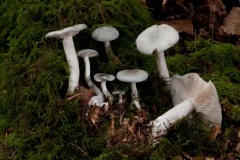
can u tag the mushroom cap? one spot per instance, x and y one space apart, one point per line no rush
87 52
66 32
157 37
121 92
132 75
105 33
203 93
99 77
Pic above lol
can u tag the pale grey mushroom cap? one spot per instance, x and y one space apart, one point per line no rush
99 77
132 75
105 33
121 92
66 32
203 93
87 52
157 37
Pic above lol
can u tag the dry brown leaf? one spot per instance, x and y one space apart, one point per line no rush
231 24
238 148
86 94
217 6
216 129
95 114
180 25
164 2
209 158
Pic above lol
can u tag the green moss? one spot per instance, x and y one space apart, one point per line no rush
193 141
34 72
41 124
214 61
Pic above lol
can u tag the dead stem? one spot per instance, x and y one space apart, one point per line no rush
101 12
74 96
80 149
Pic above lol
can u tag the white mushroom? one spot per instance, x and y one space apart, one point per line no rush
103 78
106 34
67 39
190 93
133 76
120 93
157 39
86 54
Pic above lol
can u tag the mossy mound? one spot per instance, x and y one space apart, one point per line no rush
36 120
34 72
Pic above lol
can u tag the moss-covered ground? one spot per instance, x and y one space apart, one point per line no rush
36 120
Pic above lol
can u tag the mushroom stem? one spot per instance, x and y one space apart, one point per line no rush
105 91
165 121
120 94
109 52
120 99
97 91
135 95
162 66
73 64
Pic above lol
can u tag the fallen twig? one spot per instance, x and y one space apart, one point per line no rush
80 149
74 96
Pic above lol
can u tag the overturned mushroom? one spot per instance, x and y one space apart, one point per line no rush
156 39
67 39
133 76
190 93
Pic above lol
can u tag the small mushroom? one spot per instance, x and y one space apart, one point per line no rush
106 34
67 39
120 93
103 78
86 54
190 93
156 39
133 76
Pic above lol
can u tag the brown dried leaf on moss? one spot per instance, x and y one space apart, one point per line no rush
86 94
231 24
180 25
218 7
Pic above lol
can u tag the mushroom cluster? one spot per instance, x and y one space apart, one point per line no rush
103 98
189 92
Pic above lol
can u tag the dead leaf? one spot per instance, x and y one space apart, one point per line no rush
238 148
216 129
164 2
209 158
86 95
180 25
218 7
95 115
231 24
